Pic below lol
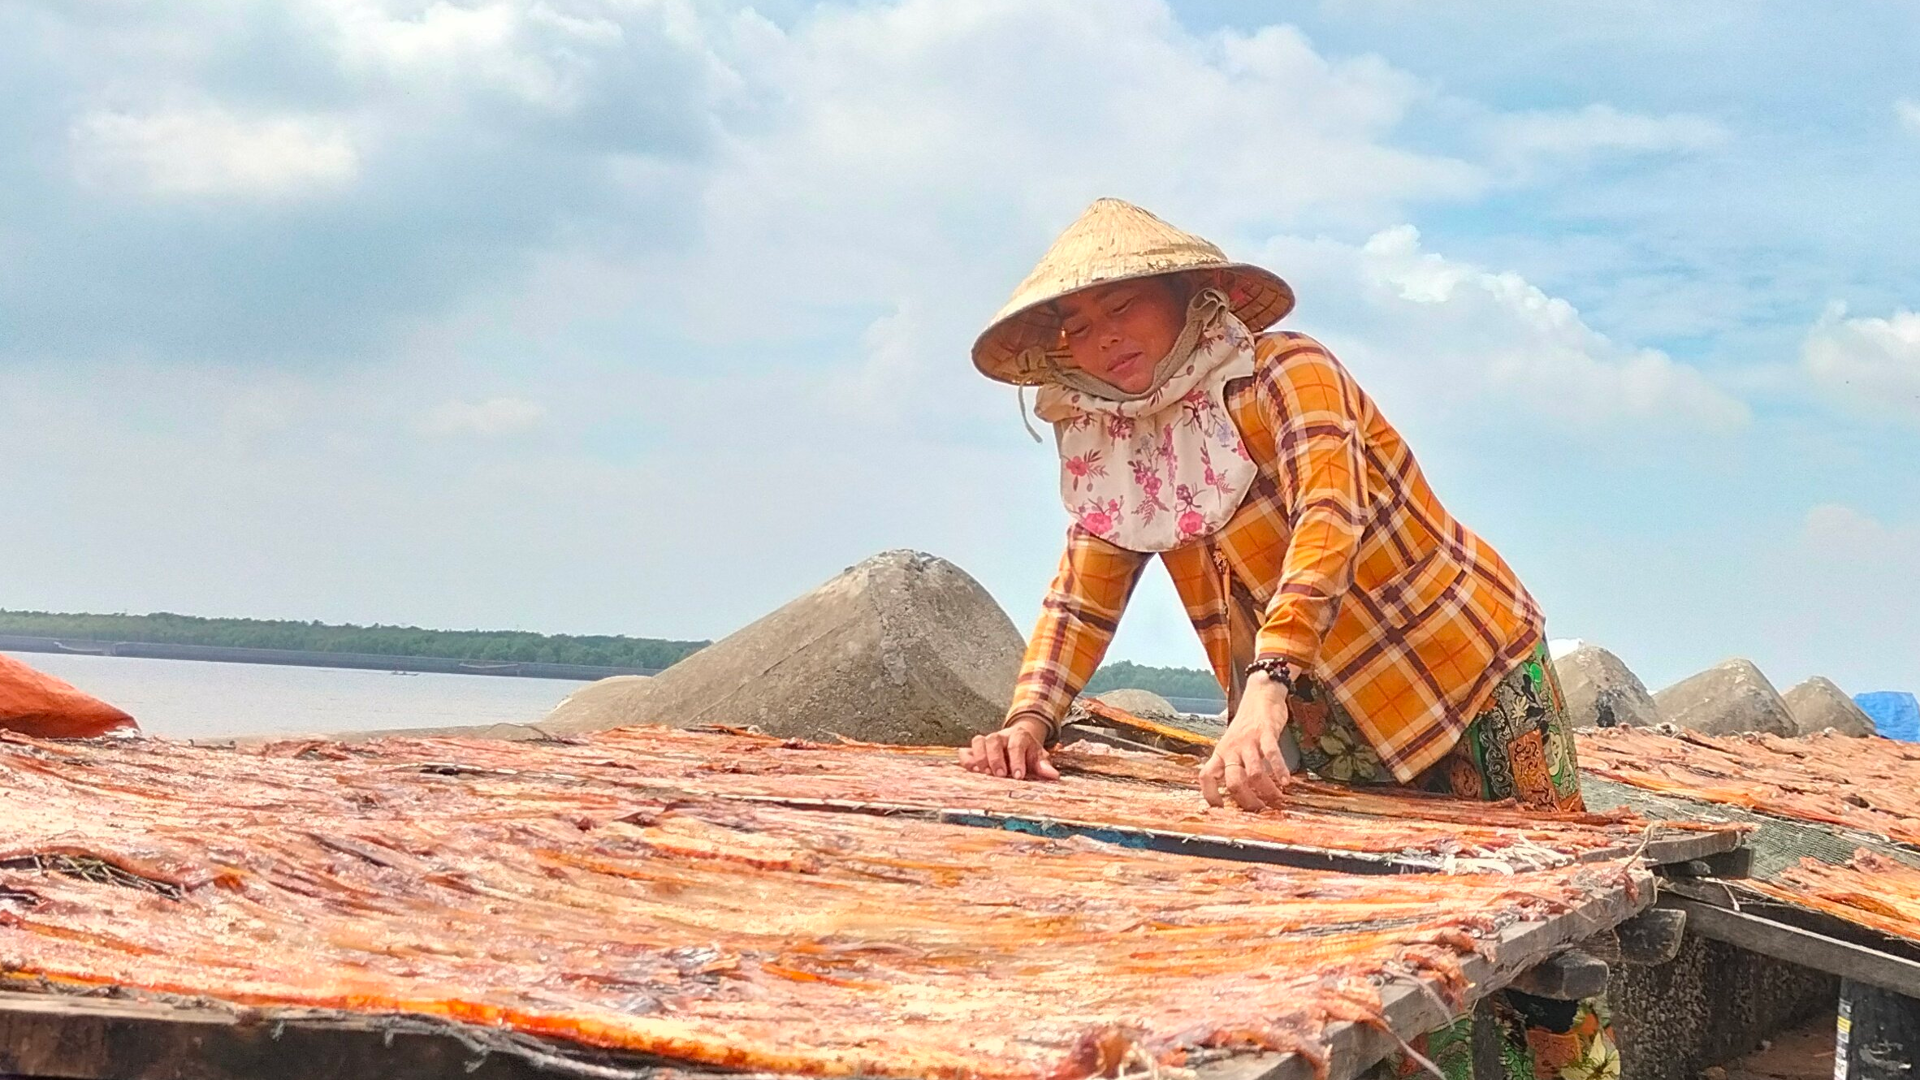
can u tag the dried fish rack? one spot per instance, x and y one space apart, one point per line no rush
108 1038
115 1038
1722 905
1663 849
1719 902
103 1038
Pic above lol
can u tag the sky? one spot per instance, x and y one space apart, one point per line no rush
644 316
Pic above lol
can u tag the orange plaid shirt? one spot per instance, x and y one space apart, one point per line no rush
1341 561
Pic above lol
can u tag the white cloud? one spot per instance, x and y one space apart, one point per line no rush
551 54
1456 336
667 534
1870 365
895 377
907 167
1849 535
210 151
437 39
1908 110
904 164
483 419
938 146
761 330
1527 139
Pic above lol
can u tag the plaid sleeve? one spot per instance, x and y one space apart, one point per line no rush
1315 415
1077 621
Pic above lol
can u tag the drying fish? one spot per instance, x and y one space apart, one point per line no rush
1147 792
567 897
1871 890
1871 784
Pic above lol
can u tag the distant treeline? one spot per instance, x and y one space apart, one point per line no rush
499 646
1165 681
598 650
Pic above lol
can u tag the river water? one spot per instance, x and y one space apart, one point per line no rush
200 700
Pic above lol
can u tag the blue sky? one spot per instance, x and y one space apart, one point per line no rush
641 316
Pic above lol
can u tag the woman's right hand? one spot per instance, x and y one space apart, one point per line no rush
1018 750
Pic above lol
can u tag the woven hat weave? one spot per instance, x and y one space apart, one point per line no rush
1113 241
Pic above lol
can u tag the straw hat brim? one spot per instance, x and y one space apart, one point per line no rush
1257 296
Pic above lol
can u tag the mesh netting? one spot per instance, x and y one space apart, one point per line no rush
1777 843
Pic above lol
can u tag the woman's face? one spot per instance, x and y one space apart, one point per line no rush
1117 333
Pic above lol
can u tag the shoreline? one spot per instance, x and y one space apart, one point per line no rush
439 665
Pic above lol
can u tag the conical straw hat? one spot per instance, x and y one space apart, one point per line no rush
1113 241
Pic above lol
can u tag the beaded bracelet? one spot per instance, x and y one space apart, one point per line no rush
1273 668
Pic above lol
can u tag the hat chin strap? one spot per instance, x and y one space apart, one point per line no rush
1206 306
1020 399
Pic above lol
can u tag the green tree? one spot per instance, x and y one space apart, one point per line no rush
597 650
1165 681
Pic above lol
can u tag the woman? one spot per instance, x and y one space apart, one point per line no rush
1349 617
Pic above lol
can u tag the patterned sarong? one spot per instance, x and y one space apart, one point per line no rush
1519 748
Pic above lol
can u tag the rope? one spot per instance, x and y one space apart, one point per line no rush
1020 398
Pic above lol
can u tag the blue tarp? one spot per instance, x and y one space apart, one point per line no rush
1896 714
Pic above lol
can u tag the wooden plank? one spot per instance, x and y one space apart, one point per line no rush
1207 847
1108 738
1196 844
1678 847
1739 896
1101 712
1757 933
1570 975
1674 846
1410 1011
86 1038
1652 937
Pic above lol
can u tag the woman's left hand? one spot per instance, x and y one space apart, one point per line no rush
1248 760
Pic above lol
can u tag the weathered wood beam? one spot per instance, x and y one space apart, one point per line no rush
1652 937
1677 846
1767 937
83 1038
1567 976
1410 1011
1680 847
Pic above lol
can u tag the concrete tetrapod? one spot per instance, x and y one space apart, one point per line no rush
607 693
1139 702
1818 704
1602 691
903 648
1728 699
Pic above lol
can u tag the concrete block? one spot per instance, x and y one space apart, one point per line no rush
1602 691
1728 699
1570 975
601 695
903 648
1818 704
1139 702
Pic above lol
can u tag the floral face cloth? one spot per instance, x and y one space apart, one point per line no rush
1167 468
